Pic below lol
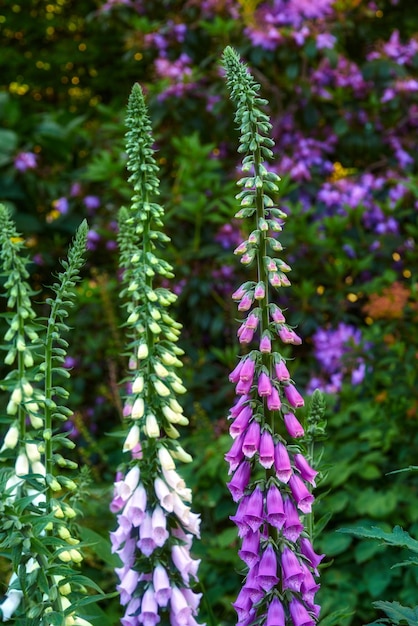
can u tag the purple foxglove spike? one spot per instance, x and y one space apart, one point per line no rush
275 613
287 335
307 550
245 302
159 526
254 515
149 609
309 586
180 608
250 549
260 291
243 604
293 426
293 396
306 471
243 387
146 542
239 293
267 569
301 494
292 572
239 481
248 369
299 614
282 372
252 585
235 455
266 450
239 517
238 406
265 344
275 515
161 584
273 400
127 586
282 462
235 374
292 526
240 423
251 441
264 385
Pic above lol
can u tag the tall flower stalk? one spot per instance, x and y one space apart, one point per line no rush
37 529
271 479
155 523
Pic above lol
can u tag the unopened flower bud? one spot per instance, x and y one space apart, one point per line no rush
137 409
161 389
22 464
165 458
160 370
132 439
138 384
11 438
151 427
142 351
32 452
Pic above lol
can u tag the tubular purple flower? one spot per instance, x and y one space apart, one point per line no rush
260 291
267 570
266 450
239 481
243 387
184 563
273 400
161 584
180 608
251 441
306 471
293 426
245 302
275 613
238 406
235 455
287 335
243 604
248 369
239 517
264 385
159 530
240 423
146 541
275 515
254 515
307 550
149 609
252 585
309 586
301 494
265 344
293 396
135 507
292 572
299 614
282 372
128 585
293 527
250 549
236 372
282 462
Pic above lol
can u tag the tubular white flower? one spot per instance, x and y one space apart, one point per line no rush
151 427
11 438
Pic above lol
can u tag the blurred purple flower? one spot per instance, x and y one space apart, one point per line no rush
25 161
91 203
61 205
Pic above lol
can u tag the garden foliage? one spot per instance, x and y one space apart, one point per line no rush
341 80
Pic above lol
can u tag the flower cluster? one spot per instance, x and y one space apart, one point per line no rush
155 522
332 348
271 479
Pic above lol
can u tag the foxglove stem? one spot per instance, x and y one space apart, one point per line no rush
155 522
272 493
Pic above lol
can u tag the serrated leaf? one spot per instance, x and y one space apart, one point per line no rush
398 536
398 613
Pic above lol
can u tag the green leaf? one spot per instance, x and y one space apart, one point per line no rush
398 613
398 536
100 546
